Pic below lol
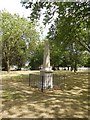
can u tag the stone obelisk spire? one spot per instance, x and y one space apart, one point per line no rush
46 58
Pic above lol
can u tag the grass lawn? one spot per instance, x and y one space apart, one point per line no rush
19 100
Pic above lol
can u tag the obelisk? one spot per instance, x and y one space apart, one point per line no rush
46 58
46 71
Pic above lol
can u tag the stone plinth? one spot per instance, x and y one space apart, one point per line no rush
47 77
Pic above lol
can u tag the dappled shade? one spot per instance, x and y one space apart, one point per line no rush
21 100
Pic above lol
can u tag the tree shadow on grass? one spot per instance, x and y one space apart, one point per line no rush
20 100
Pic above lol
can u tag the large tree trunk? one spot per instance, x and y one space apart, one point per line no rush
68 67
19 66
7 65
75 66
72 66
6 57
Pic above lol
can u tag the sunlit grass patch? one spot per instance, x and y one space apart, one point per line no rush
70 100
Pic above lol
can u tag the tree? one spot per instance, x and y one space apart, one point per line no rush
72 56
36 59
72 17
69 31
55 55
18 35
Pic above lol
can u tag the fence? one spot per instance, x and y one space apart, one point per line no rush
37 81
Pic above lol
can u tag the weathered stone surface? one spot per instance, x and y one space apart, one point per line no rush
46 71
46 58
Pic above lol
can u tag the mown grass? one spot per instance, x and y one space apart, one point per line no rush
70 100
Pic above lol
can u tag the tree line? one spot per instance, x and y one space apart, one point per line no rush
68 36
19 39
69 32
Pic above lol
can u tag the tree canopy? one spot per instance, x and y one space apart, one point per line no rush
19 38
68 35
71 20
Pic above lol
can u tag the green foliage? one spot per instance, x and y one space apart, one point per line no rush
37 58
72 20
69 32
69 57
55 55
18 37
71 26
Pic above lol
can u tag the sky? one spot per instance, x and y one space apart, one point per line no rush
14 6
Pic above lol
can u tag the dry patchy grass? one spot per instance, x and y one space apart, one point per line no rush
20 100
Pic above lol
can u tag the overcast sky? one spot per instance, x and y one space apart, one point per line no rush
14 6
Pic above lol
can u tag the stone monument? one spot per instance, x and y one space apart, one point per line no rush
46 71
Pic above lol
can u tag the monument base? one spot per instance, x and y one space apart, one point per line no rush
46 79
